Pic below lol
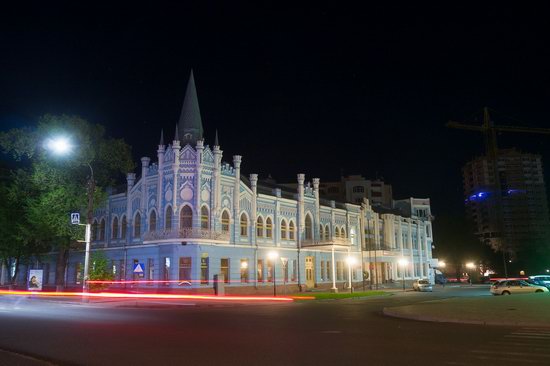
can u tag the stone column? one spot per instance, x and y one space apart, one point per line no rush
198 185
144 166
254 208
160 177
420 249
410 243
130 180
300 223
175 170
216 186
317 218
237 198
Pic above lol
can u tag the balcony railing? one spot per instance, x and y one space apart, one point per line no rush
326 241
186 233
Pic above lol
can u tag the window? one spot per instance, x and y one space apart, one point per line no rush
224 269
260 269
114 233
225 222
244 225
122 270
137 226
166 269
343 233
328 270
186 217
321 232
284 229
293 276
337 232
333 190
323 273
94 230
153 221
102 230
327 232
339 271
291 230
185 268
358 189
204 269
168 219
259 227
244 270
268 228
309 231
123 228
285 271
205 218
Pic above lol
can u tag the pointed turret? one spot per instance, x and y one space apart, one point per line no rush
161 142
176 134
216 142
190 123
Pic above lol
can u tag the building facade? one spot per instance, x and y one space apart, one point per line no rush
190 216
518 217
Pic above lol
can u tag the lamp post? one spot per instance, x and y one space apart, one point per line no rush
272 255
62 146
470 266
351 261
403 264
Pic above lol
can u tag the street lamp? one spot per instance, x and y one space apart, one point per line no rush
403 264
273 255
470 266
441 264
60 146
351 261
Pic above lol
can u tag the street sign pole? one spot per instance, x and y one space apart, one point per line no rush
87 259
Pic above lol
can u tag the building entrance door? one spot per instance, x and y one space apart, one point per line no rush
310 272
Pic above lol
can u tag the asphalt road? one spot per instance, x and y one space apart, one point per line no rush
331 332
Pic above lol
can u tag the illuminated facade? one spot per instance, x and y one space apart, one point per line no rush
190 216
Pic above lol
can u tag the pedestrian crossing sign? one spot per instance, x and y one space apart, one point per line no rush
138 268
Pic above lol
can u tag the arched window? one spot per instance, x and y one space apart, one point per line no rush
153 221
337 232
102 230
168 218
321 232
291 231
244 225
268 228
186 217
309 231
205 218
284 229
343 233
114 233
260 227
94 230
137 225
123 227
225 222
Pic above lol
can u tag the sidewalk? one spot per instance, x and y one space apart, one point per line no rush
514 310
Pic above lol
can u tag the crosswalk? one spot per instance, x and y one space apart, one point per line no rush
524 346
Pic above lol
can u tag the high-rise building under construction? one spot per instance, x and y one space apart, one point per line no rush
514 220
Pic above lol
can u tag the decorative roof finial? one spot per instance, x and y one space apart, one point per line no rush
161 137
176 134
216 142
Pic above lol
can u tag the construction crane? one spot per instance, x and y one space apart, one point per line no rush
489 129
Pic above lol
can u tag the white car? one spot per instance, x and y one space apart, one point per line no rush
422 285
508 287
542 278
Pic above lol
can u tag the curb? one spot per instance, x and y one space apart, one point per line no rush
427 318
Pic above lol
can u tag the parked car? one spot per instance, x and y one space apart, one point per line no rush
422 285
543 278
508 287
538 282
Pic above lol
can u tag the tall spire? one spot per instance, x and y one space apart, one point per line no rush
176 134
190 123
161 137
216 142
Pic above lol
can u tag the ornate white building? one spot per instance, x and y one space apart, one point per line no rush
190 216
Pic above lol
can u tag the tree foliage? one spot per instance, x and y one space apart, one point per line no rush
39 197
100 270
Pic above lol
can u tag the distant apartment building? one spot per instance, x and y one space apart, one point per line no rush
522 220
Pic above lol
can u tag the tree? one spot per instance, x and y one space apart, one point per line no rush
60 183
100 270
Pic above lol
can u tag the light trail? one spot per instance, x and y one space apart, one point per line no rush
147 296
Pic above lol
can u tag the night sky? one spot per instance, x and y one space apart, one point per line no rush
317 90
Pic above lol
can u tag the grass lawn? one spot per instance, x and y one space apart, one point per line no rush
344 295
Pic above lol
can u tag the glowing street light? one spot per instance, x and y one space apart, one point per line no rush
273 255
351 262
61 145
470 266
403 262
441 264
